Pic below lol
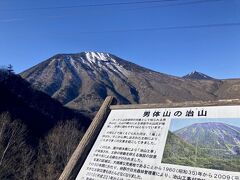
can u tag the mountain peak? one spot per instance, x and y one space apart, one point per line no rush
209 124
90 56
197 76
82 80
98 56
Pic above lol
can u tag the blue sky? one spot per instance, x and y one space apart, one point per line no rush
29 35
177 124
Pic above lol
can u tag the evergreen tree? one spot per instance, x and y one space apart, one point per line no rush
10 69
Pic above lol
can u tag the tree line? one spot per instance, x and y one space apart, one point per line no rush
19 160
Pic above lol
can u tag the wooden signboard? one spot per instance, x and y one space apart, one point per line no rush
190 140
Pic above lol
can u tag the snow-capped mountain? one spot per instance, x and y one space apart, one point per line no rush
198 76
82 81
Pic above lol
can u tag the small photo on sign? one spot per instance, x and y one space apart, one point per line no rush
204 143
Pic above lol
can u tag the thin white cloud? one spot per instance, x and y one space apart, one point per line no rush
10 20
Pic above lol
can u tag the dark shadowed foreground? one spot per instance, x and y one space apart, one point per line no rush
37 134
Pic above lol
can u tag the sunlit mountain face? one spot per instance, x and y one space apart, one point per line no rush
82 81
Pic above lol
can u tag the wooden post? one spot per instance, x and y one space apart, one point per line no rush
81 152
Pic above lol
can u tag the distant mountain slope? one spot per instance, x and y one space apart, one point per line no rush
229 89
176 147
179 152
197 76
81 81
36 109
212 136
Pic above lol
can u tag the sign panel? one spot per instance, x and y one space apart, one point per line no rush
194 143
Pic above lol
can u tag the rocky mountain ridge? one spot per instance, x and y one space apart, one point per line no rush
81 81
197 76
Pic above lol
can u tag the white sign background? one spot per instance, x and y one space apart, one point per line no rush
87 173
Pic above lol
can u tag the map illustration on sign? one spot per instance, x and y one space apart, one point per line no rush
204 143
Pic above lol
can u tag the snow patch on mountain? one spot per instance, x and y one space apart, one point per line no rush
103 61
98 56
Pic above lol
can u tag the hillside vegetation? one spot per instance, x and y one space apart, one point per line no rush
178 151
37 134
